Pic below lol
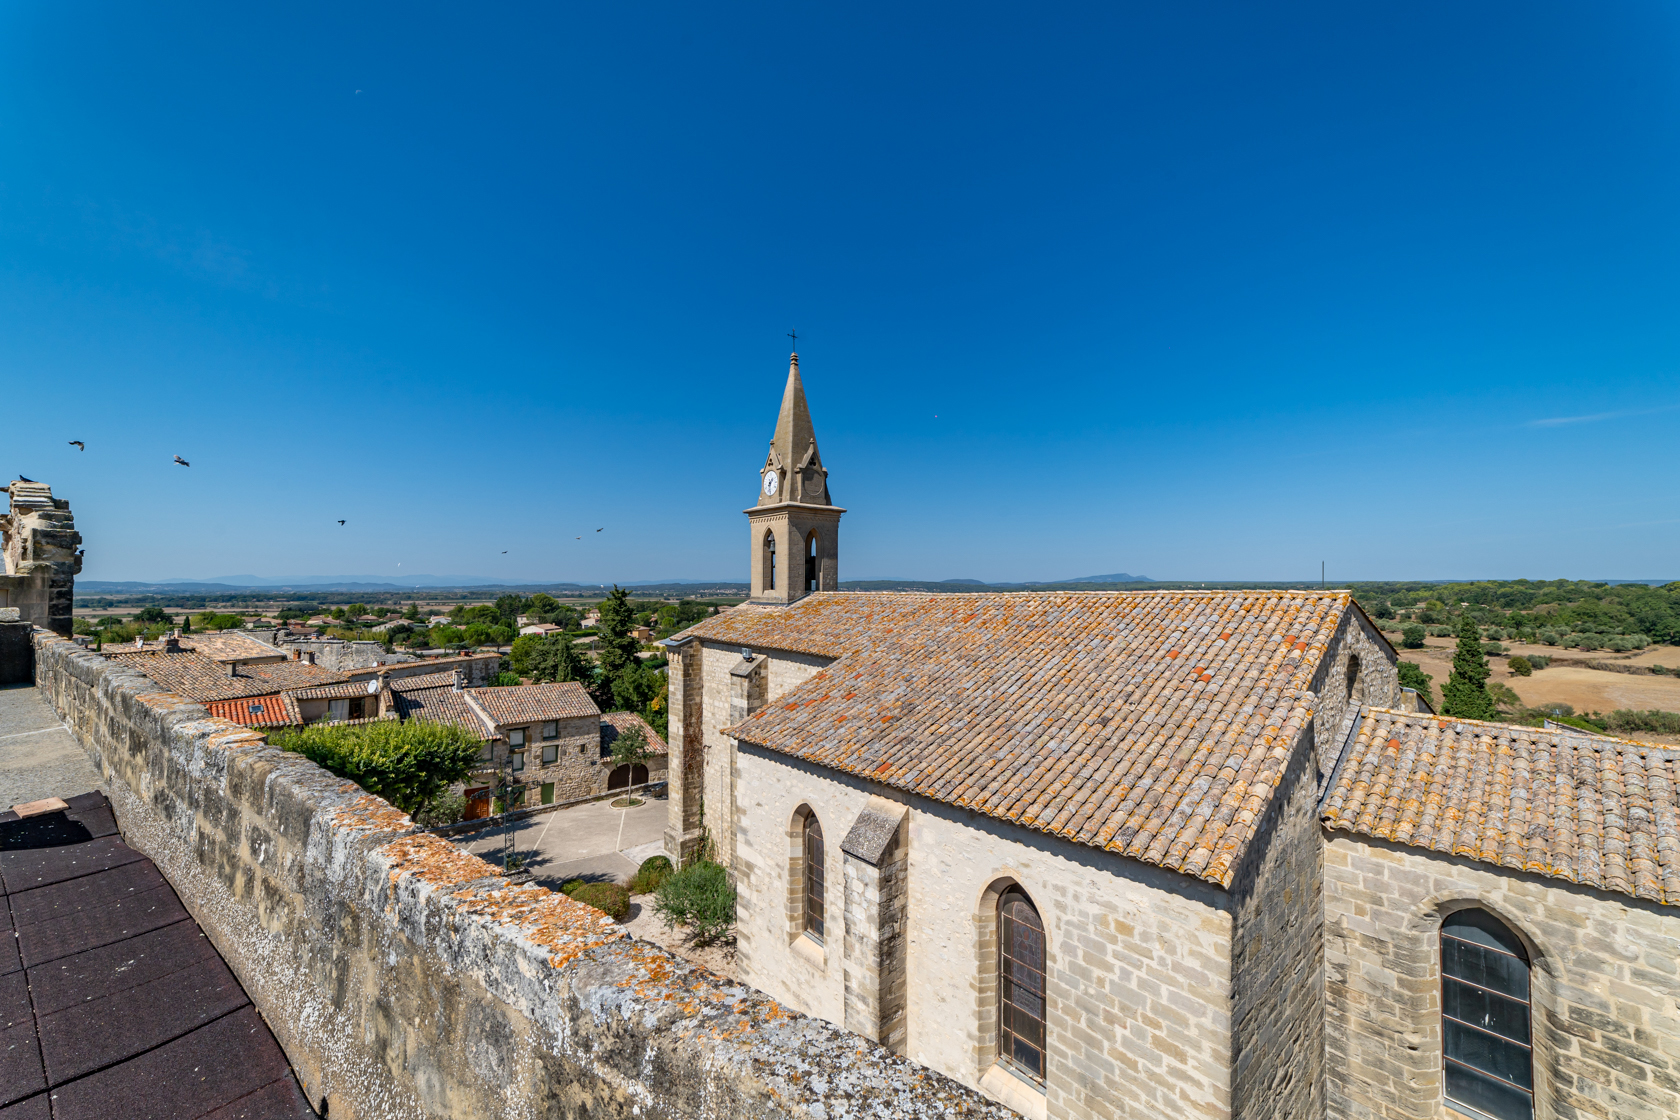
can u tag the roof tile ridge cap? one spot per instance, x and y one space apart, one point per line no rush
479 709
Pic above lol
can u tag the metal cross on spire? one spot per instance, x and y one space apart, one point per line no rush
793 335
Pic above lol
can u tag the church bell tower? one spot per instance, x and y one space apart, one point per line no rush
795 527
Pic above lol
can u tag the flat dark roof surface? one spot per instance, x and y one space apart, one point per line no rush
113 1003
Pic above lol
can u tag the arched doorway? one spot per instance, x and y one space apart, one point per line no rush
626 776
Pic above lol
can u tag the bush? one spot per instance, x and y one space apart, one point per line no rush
1538 661
1520 666
445 808
651 875
408 764
505 680
1441 631
1587 641
1550 637
700 897
1493 648
1625 719
609 898
1412 636
571 885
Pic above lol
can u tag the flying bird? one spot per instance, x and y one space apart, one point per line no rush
78 444
504 552
182 461
341 521
601 529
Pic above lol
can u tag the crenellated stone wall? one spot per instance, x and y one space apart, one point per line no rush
39 542
405 979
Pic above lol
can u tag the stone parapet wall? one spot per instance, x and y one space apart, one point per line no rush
405 979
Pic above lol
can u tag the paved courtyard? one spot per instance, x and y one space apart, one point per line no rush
594 841
38 755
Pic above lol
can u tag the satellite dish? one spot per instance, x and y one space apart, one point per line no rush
373 688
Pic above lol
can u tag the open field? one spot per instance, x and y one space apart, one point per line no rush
1569 681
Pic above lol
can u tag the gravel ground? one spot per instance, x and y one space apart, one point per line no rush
645 924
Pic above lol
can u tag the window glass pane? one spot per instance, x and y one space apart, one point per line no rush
519 760
551 754
551 730
1484 929
1505 1060
516 737
1022 1009
1502 1016
1487 968
1487 1096
1028 1058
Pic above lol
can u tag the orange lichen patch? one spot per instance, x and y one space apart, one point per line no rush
1053 708
1595 810
374 813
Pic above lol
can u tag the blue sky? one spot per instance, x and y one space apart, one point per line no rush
1207 291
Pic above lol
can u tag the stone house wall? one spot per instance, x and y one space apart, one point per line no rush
1139 958
1605 984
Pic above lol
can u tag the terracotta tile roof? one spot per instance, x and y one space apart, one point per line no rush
228 645
1593 810
273 711
614 723
198 677
528 703
1152 723
442 704
423 680
347 690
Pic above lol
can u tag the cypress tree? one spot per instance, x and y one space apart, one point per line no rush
1465 694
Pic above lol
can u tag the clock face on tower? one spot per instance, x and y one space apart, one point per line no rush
770 483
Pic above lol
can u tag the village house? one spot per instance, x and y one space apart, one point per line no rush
1166 853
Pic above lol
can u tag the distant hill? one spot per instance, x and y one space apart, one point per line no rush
1118 577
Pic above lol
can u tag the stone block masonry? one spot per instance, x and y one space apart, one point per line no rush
1604 979
405 979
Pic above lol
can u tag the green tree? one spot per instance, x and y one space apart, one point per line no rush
412 613
1465 694
559 659
618 648
525 647
635 687
356 610
510 607
186 623
543 605
153 614
1413 676
631 748
1521 666
408 764
1411 636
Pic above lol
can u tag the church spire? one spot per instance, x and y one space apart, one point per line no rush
793 451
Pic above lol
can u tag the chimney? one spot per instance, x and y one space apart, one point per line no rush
172 644
309 657
460 679
386 700
233 668
296 655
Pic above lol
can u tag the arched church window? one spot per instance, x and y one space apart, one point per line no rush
769 561
811 562
1352 675
1486 1045
814 870
1020 984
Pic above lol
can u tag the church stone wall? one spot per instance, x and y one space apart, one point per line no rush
1139 958
1277 1030
1377 683
786 671
1605 980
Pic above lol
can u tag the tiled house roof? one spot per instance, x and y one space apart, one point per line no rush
198 677
273 711
1155 723
1597 811
442 704
228 645
615 723
528 703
